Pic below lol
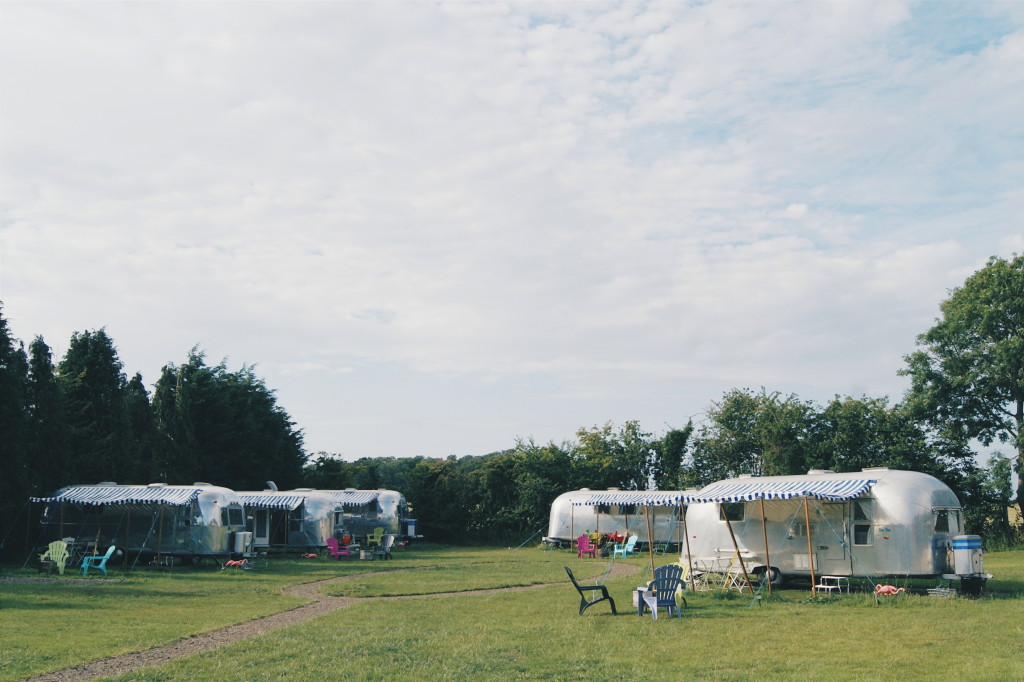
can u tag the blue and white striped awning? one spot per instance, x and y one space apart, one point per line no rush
736 491
271 501
353 498
642 498
123 495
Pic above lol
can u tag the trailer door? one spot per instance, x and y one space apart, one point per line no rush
830 539
261 528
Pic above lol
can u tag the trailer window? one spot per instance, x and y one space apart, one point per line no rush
627 509
733 511
862 534
231 516
604 509
861 510
947 521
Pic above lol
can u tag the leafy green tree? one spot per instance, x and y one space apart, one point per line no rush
667 469
762 434
967 378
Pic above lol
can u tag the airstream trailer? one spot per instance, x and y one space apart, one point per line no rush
300 519
615 511
874 523
365 510
158 521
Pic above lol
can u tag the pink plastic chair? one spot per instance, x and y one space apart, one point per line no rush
583 543
336 551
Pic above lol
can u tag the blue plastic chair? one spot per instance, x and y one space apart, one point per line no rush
99 562
667 580
628 548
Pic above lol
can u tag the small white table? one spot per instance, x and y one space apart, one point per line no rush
833 583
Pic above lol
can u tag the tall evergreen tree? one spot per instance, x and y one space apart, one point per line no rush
93 384
15 457
50 442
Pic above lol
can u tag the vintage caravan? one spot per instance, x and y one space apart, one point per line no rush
365 510
146 522
874 523
300 519
615 511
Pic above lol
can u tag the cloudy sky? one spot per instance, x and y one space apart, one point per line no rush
434 228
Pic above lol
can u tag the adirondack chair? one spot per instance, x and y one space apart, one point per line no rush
585 547
383 550
585 603
628 548
376 538
98 561
55 555
337 551
667 581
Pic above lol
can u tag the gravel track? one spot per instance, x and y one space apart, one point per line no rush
321 604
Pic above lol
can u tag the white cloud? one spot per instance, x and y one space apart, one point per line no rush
562 213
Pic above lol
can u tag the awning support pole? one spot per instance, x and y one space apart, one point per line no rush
767 559
650 544
810 552
738 555
689 557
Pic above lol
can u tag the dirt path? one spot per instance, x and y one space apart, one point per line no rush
321 604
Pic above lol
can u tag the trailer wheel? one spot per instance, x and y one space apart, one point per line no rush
774 577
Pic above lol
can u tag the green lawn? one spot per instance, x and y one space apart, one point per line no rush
529 634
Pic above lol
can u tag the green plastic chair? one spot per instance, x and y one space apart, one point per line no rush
57 552
375 539
99 562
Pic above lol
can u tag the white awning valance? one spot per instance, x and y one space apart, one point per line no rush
643 498
271 501
124 495
736 491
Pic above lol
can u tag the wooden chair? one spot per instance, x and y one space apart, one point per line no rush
55 555
585 603
98 561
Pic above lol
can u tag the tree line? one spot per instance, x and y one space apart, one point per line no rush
84 421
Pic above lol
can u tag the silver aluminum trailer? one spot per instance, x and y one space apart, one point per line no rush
874 523
160 521
366 510
612 511
301 519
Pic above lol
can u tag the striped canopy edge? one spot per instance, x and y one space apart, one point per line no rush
644 498
738 491
353 498
271 501
123 494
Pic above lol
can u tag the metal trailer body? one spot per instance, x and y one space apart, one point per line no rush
365 510
901 524
156 520
609 511
301 519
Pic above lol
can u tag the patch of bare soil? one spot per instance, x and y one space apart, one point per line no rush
321 604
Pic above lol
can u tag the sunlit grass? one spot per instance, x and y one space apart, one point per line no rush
524 634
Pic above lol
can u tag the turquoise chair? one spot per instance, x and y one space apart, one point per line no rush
99 562
626 549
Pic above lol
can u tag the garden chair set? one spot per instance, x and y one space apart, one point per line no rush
58 555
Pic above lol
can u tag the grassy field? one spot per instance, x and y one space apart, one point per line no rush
528 634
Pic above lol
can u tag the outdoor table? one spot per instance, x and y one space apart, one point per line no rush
833 583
